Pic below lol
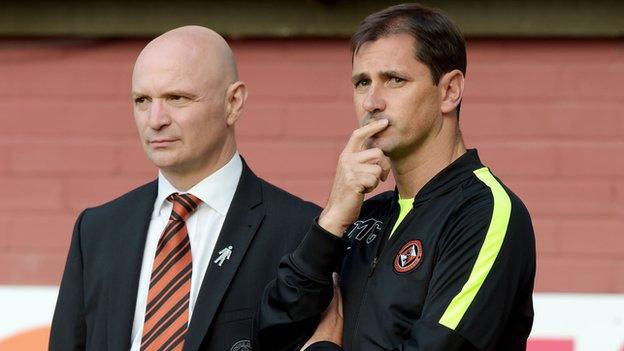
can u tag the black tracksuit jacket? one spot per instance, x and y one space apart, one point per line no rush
457 274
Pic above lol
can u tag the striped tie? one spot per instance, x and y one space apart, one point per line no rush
167 311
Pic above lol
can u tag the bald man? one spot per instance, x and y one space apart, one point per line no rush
179 263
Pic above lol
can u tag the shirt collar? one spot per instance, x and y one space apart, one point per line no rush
217 190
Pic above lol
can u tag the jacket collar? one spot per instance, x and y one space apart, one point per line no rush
449 177
241 224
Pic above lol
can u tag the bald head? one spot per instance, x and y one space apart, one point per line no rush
187 98
194 49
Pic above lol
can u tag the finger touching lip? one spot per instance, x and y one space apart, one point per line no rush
369 118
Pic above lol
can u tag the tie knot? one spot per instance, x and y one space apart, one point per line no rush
183 206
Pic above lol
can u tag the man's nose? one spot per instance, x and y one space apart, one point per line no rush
158 115
374 101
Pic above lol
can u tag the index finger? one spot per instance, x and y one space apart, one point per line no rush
358 138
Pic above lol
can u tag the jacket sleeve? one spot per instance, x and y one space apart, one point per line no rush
292 303
68 324
484 272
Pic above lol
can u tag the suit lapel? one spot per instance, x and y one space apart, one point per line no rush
128 245
241 223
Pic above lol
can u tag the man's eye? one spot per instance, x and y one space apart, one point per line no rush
397 80
362 83
177 98
139 100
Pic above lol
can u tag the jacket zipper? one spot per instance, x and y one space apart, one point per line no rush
372 267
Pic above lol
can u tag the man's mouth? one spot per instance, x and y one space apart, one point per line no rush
368 118
160 143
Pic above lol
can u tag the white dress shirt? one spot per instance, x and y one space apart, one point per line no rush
204 225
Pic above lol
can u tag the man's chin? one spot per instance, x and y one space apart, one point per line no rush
162 161
381 144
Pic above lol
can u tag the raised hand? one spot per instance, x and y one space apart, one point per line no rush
359 171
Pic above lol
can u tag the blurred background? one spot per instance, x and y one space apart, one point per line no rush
543 104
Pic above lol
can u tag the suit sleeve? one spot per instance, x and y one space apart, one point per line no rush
292 303
68 324
483 277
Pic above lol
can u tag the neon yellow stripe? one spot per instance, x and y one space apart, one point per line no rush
485 260
405 206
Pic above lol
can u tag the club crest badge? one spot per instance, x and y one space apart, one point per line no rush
409 257
241 345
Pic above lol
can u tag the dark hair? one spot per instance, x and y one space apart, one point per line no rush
439 43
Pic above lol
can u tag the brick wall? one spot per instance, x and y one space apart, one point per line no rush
545 115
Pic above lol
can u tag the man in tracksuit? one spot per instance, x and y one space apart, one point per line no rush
447 260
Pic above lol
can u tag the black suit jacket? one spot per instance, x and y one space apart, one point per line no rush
97 297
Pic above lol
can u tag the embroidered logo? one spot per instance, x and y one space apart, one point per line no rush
241 345
368 229
408 257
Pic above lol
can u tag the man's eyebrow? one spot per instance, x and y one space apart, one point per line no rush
177 92
393 73
358 77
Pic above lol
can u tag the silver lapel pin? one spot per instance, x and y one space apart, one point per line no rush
224 255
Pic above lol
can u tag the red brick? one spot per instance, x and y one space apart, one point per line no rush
592 159
620 121
261 119
93 191
551 51
329 51
547 237
18 51
133 160
565 197
106 52
620 201
599 80
303 160
31 268
4 160
519 158
40 232
63 78
541 119
619 277
316 191
66 118
522 97
52 157
4 232
512 81
576 274
321 119
297 80
28 194
593 238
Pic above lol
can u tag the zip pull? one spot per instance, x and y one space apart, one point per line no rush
373 265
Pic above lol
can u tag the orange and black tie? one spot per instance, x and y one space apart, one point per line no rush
167 311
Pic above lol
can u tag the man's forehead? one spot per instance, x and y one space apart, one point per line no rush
394 52
167 78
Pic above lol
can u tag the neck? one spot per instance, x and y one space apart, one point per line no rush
413 171
183 180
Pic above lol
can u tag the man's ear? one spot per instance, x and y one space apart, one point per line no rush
236 95
452 89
